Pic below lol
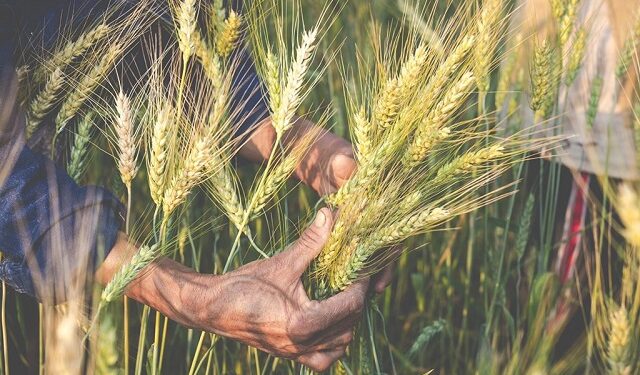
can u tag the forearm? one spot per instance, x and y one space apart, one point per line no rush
165 285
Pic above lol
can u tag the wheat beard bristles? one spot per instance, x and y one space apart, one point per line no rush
187 27
158 154
72 50
126 139
399 89
291 96
78 158
41 105
229 34
432 130
85 87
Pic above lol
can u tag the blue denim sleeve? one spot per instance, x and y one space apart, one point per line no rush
52 231
248 100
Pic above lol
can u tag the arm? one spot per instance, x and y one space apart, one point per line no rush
257 304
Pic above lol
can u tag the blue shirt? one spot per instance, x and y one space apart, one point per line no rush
50 226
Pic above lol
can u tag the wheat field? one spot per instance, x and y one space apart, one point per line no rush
453 110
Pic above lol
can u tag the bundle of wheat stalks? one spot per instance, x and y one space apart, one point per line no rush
419 163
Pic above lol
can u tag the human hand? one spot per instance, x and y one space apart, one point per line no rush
264 304
326 166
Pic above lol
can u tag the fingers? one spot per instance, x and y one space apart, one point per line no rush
344 305
310 243
383 279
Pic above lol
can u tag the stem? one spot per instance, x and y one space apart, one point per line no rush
143 333
5 348
125 301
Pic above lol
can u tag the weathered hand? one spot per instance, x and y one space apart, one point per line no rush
264 304
327 165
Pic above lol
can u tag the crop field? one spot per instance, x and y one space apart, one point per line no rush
506 257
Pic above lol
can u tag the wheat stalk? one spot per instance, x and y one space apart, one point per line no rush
47 98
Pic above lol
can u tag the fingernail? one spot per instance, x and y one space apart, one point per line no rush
320 220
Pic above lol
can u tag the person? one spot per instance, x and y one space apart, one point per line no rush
598 141
262 304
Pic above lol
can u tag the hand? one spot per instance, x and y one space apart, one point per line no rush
328 164
264 304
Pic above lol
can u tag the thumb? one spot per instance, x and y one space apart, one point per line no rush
311 242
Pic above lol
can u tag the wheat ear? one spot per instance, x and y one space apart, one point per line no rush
187 14
78 157
128 272
362 137
487 33
629 210
291 95
618 343
209 60
158 153
229 34
577 55
400 88
542 80
348 267
433 130
222 185
43 102
86 86
126 142
73 50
